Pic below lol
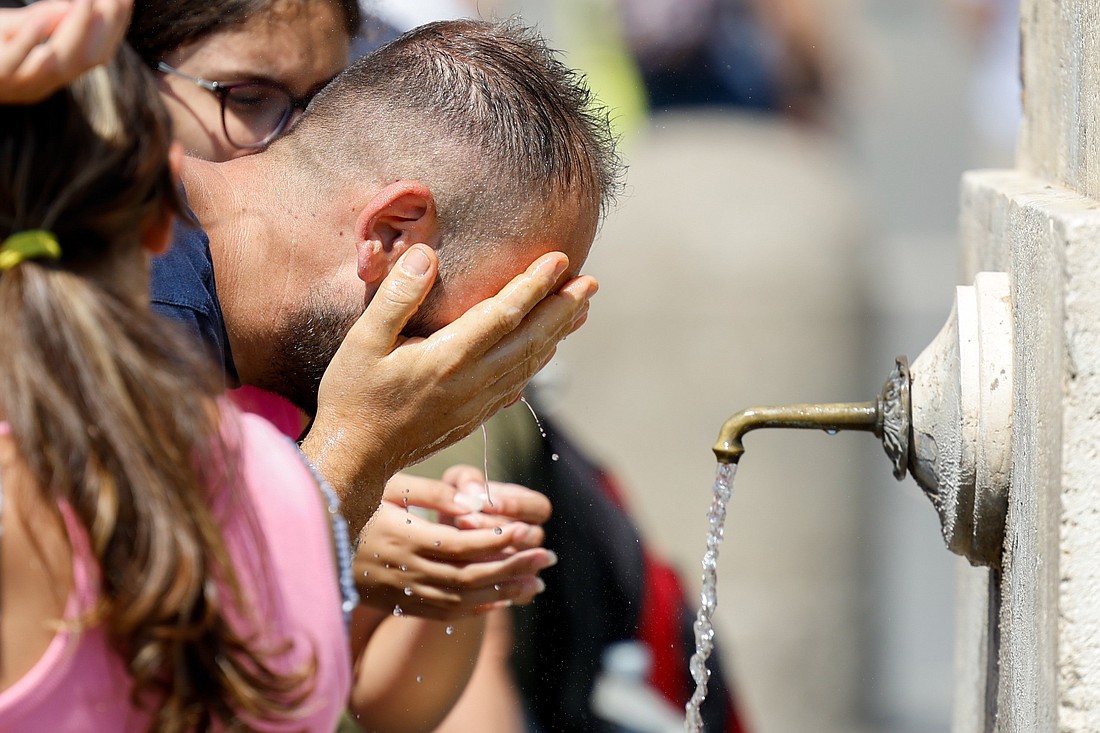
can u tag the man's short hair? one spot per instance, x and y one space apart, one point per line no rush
484 113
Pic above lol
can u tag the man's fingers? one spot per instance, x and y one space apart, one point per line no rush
522 353
487 322
398 297
504 369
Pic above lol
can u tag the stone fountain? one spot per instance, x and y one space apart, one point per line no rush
946 419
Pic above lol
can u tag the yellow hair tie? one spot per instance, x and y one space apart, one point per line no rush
28 245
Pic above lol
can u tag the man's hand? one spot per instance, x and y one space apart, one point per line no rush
443 572
387 401
48 44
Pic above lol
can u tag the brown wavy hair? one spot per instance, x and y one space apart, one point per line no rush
115 415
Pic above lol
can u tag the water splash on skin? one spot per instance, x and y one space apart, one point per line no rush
708 596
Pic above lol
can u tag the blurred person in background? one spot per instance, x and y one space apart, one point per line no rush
764 55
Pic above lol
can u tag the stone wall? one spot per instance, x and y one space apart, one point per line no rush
1028 647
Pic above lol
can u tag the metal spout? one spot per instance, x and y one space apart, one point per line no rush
830 418
888 417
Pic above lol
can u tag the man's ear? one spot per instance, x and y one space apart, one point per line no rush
156 231
400 215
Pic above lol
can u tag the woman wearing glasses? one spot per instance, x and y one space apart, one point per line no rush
235 74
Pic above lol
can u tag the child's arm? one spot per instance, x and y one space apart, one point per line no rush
412 672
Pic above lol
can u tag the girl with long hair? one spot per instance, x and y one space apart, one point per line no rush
166 564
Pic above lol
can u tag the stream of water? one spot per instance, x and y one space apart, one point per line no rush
708 602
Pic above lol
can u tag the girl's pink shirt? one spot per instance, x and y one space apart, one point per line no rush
278 532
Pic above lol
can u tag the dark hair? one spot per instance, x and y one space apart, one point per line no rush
484 112
159 27
112 415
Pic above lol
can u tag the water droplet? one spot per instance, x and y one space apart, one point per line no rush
498 530
554 456
408 591
532 410
450 630
397 611
420 678
831 431
376 556
385 565
404 568
437 543
366 573
496 586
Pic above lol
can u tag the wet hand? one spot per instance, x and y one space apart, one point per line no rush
491 504
387 401
439 571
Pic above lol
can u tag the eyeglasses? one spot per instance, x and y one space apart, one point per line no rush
253 112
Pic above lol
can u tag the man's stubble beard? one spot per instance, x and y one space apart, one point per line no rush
309 339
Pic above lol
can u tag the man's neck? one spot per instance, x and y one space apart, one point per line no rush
237 207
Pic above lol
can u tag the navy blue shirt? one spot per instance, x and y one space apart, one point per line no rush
182 288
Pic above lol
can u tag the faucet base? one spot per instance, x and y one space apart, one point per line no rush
961 453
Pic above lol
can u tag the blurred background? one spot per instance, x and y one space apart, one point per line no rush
788 228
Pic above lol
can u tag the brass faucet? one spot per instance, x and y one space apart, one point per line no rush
888 417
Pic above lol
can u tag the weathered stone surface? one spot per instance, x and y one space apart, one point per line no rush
1047 673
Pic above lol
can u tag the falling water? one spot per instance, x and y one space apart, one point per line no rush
538 422
485 446
704 629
